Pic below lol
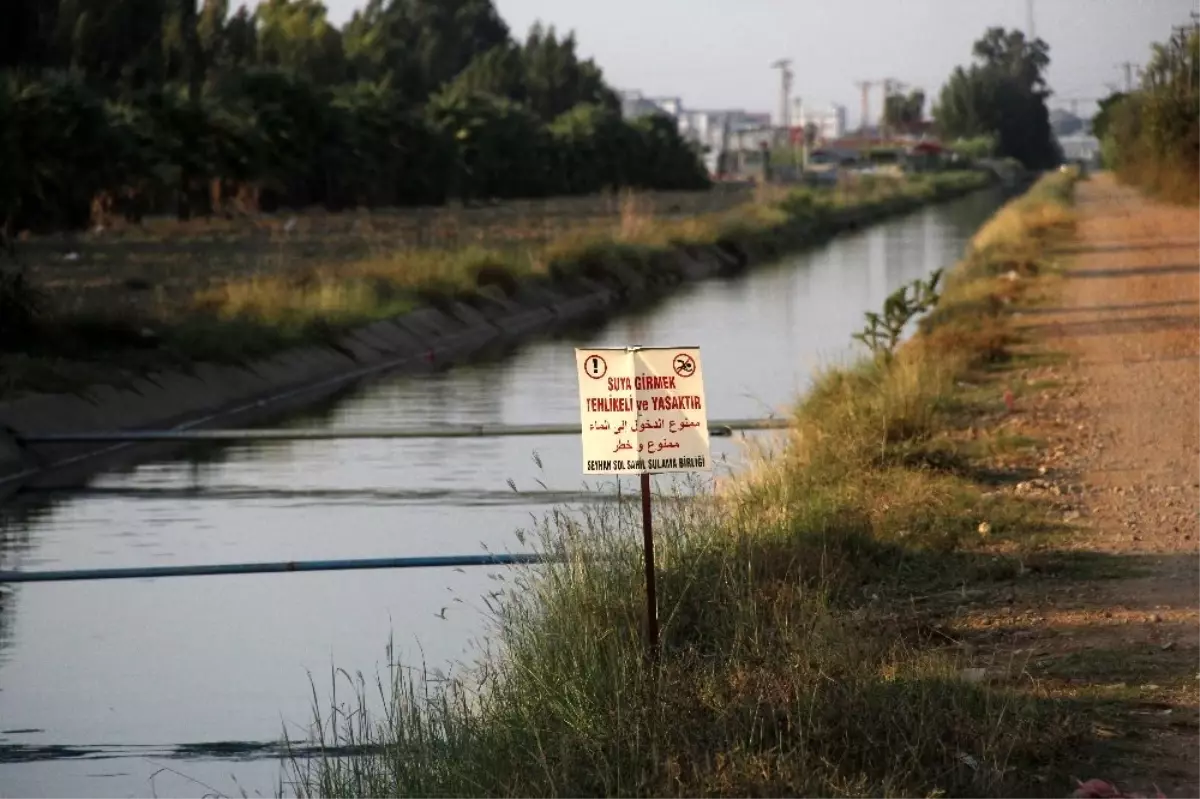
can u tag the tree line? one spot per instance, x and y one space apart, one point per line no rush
1002 98
1151 136
141 106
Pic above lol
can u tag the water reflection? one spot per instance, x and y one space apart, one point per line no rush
18 518
121 665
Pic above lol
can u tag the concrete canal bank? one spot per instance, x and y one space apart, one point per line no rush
427 339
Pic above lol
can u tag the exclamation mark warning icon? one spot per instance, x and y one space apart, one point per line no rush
596 367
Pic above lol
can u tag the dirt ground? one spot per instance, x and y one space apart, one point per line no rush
1119 456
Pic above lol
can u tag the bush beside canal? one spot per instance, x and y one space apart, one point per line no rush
791 663
63 341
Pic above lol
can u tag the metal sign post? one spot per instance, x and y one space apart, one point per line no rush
644 413
648 549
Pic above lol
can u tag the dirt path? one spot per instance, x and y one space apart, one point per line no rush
1121 422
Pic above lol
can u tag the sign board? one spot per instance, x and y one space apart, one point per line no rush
643 410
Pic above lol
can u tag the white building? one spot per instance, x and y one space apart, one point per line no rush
829 121
706 128
1081 147
634 105
712 129
732 128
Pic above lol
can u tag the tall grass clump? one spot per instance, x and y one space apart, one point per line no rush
784 669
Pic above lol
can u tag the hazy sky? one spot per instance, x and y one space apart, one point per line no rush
717 53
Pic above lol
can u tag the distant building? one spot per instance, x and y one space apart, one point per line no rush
727 129
829 121
1065 124
707 128
634 105
732 140
1081 147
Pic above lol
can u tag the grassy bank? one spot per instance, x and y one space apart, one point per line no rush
74 332
794 661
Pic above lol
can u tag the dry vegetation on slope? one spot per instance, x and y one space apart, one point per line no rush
821 613
147 304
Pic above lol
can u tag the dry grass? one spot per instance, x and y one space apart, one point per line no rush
1176 182
156 268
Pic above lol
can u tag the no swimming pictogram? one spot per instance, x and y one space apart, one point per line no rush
684 365
595 367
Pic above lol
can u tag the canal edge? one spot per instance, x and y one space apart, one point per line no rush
426 339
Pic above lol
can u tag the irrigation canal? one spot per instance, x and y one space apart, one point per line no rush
179 687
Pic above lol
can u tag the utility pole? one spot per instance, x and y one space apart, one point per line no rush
800 157
865 87
1128 67
1030 31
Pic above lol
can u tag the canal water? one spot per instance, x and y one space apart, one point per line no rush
180 686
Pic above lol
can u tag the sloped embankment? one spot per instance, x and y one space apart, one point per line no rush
796 659
587 281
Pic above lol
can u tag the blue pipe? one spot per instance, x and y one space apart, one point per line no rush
433 561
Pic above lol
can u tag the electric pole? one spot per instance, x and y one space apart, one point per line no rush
1128 67
865 87
799 157
1030 31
